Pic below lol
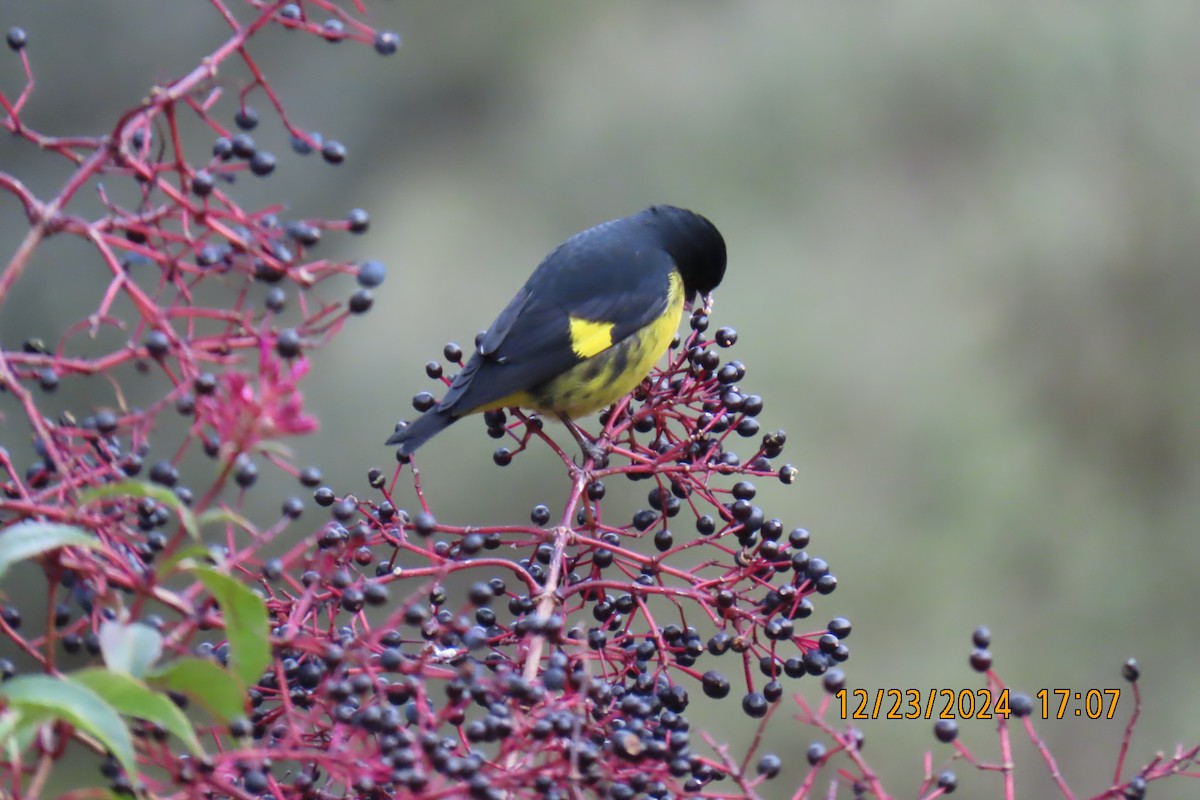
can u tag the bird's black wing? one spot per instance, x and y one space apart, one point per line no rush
598 276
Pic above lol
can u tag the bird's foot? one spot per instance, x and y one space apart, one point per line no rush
595 456
596 452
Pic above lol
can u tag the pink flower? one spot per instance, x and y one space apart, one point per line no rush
247 409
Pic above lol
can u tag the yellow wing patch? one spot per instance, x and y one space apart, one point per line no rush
589 337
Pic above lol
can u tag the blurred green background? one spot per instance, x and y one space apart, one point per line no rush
962 246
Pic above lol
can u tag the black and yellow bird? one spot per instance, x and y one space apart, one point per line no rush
588 325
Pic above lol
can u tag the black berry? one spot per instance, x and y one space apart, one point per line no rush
246 118
358 220
361 301
371 274
17 38
333 152
262 163
387 42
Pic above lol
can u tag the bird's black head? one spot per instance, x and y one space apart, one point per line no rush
694 243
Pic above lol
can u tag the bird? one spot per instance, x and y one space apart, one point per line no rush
588 325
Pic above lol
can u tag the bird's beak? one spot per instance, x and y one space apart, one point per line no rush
706 303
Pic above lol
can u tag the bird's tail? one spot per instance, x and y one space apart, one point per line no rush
416 433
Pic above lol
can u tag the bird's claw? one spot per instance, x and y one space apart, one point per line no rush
594 454
597 453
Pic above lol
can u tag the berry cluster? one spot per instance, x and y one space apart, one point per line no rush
405 654
564 652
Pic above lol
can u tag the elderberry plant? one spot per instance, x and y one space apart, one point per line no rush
194 646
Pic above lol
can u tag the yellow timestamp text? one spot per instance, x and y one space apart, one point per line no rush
861 704
1090 703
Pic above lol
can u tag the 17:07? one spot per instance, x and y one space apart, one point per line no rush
1092 703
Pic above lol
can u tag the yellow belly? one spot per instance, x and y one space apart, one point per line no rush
609 375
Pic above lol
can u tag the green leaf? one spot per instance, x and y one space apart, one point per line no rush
130 647
135 699
78 705
214 688
28 539
197 552
246 626
159 494
225 515
18 729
